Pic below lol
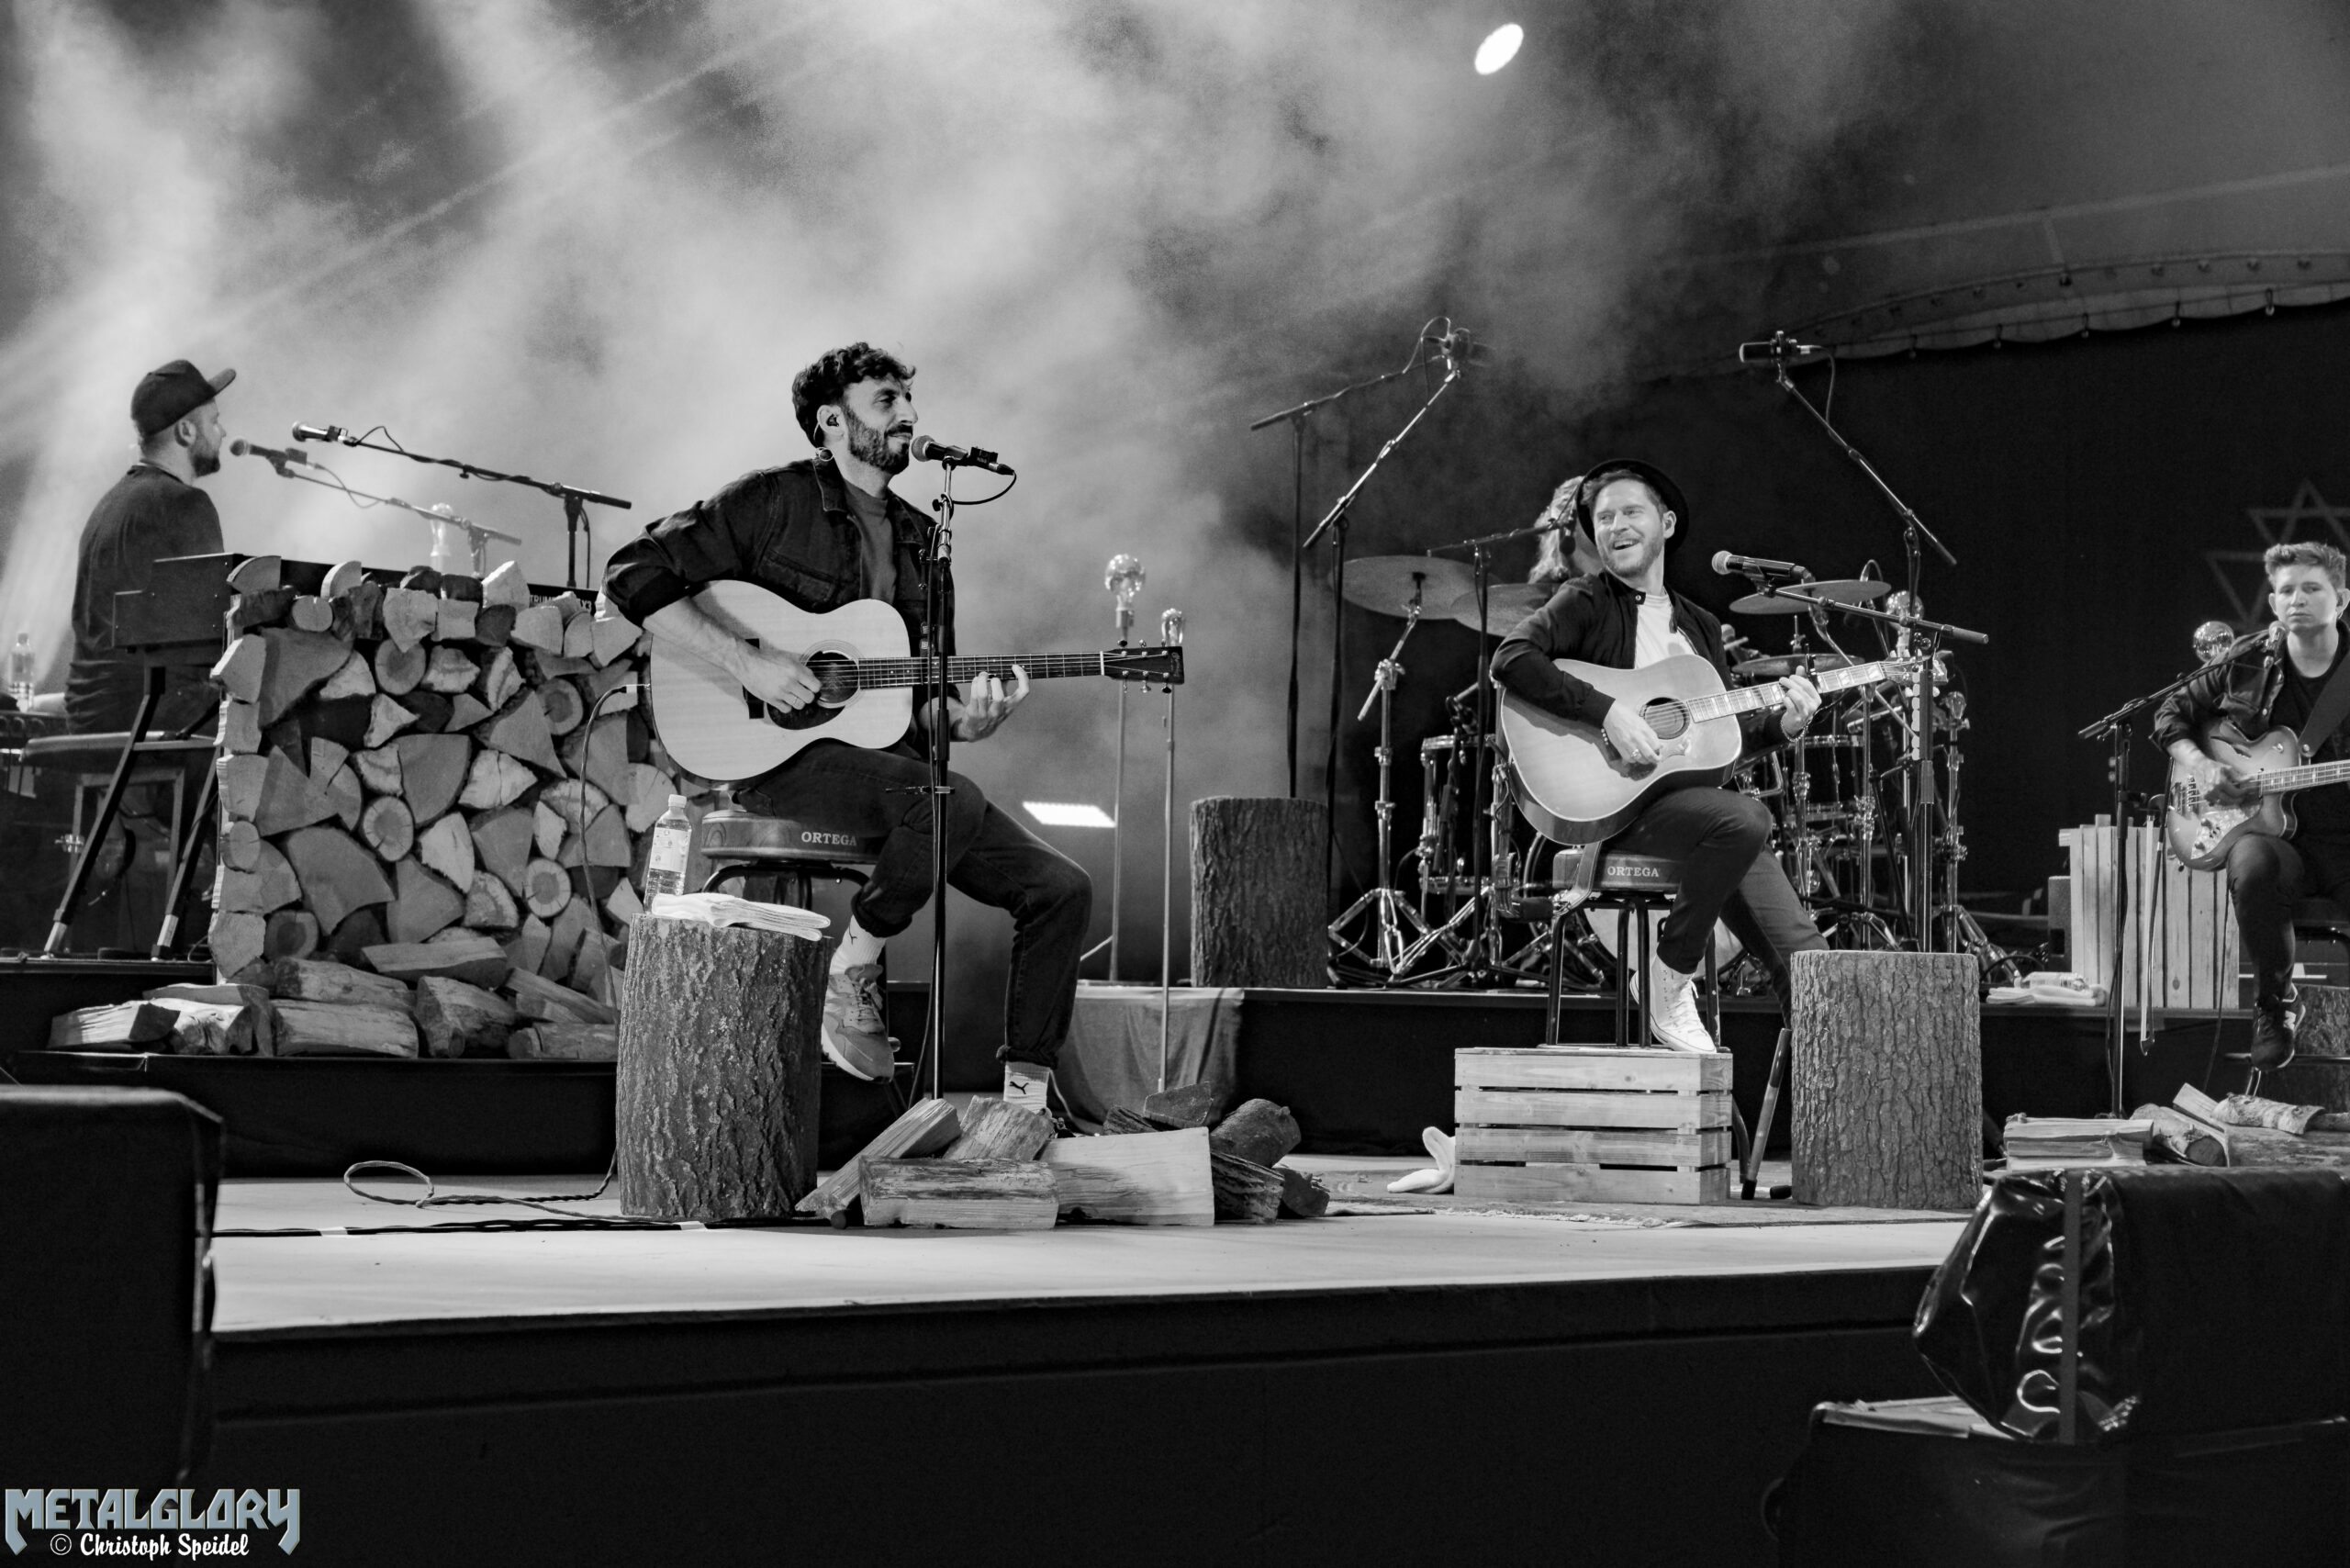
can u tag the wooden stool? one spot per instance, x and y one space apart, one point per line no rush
798 849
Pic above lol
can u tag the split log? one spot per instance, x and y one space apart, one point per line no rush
328 1028
240 727
202 1029
299 663
118 1026
360 930
1302 1197
385 718
717 1090
602 757
409 616
341 579
431 708
388 827
270 885
550 1041
447 848
311 613
545 888
240 846
547 829
563 705
249 612
623 904
648 796
572 926
489 906
608 842
504 584
591 969
422 904
1259 915
1153 1179
1246 1192
456 620
342 790
539 626
288 798
1259 1131
575 801
290 934
2266 1149
529 947
433 772
596 683
239 669
399 671
994 1129
493 624
520 730
2252 1110
1888 1080
422 579
580 635
466 710
924 1127
448 670
554 667
462 587
477 960
1126 1119
612 634
250 1002
960 1194
256 573
535 996
351 680
2181 1136
365 604
502 844
495 780
327 756
456 1018
1193 1105
501 680
238 942
319 979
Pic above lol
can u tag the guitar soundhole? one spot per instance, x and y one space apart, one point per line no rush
835 675
1667 718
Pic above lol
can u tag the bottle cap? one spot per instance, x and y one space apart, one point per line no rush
678 801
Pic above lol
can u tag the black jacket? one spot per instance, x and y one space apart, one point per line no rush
2243 691
147 517
1596 618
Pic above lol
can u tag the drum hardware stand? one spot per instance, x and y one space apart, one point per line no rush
1125 580
1392 926
1170 635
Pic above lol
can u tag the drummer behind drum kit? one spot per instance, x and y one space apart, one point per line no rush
1837 796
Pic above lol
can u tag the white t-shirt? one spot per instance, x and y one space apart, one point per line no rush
1656 640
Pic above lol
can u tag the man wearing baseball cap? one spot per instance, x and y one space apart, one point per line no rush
152 511
1623 617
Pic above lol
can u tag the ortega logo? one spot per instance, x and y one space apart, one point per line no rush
115 1525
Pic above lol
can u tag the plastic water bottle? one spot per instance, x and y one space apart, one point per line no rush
665 861
20 669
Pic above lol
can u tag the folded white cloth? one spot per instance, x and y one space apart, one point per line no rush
1439 1147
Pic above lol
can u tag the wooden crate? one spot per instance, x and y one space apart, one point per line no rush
2180 923
1591 1124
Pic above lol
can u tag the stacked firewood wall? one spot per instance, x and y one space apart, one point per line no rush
445 760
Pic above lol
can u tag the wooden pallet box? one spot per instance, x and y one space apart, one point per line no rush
1591 1124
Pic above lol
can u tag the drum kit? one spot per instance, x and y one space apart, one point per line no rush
1838 796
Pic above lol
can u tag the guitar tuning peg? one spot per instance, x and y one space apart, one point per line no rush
1170 628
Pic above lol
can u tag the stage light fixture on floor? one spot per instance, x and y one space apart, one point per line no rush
1499 49
1054 813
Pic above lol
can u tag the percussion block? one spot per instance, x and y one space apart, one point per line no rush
1589 1124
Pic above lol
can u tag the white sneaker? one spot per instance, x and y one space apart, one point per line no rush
1025 1084
1673 1021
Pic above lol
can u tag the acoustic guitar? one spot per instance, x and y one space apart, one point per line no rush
2200 832
860 658
1575 788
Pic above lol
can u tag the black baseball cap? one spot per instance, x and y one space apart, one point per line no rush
1654 478
170 392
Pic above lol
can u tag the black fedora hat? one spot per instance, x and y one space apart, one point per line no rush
1656 479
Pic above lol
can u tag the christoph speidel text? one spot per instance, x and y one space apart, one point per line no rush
85 1522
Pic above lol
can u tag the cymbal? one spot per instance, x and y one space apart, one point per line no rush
1506 604
1386 583
1842 590
1772 666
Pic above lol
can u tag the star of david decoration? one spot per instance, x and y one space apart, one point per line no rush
2309 516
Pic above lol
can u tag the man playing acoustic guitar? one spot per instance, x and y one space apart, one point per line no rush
822 532
2266 874
1624 618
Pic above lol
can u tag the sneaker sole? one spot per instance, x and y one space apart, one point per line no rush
839 1058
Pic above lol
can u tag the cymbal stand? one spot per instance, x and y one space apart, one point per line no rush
1393 926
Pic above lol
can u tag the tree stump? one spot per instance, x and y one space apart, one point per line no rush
717 1080
1259 912
1887 1080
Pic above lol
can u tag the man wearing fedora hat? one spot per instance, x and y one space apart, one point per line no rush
152 511
1624 617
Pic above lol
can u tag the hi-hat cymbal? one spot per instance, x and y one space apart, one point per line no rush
1842 590
1774 665
1387 583
1506 604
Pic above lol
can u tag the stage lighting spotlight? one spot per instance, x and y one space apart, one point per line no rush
1499 49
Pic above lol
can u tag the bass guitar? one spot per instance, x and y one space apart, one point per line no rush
1575 788
2200 832
860 658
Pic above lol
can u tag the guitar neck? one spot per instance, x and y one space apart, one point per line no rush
2309 776
1748 699
873 673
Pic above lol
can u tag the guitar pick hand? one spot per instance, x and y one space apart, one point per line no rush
1628 731
776 679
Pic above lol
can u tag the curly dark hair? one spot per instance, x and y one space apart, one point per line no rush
829 379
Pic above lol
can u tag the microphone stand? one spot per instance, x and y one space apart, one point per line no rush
938 791
576 499
476 534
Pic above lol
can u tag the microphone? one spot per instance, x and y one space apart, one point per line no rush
1731 565
241 447
1776 347
321 432
928 451
1461 344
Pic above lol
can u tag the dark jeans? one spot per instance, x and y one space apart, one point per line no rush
2264 877
1720 836
989 857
